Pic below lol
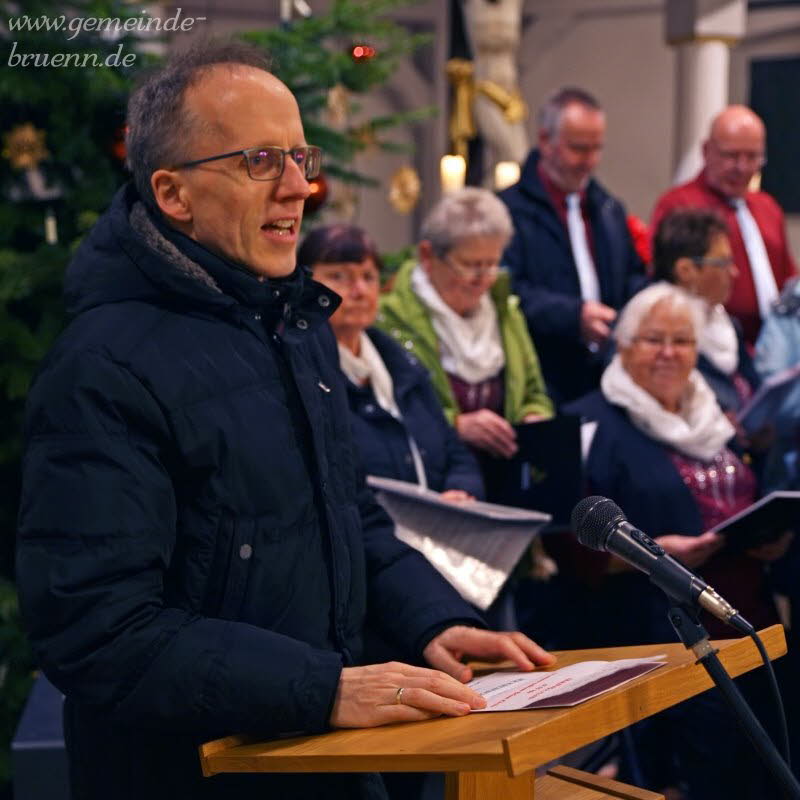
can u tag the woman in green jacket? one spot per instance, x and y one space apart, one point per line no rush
455 312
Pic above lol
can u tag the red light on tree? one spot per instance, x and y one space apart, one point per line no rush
363 52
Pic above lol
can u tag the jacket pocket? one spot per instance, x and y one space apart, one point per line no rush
231 567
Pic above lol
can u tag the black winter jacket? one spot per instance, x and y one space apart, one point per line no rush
382 440
197 548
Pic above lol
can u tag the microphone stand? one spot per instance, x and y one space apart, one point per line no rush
694 636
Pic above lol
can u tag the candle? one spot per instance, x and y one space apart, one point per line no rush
506 173
50 227
453 171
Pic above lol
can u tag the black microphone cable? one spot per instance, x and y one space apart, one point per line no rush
595 518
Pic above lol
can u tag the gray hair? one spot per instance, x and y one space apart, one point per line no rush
467 212
159 126
641 305
551 110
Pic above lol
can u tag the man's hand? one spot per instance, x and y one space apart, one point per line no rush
368 696
446 650
596 319
488 431
456 496
528 418
691 550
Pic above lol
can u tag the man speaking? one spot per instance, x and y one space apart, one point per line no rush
197 549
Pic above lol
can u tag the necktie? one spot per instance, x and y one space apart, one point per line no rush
587 274
760 268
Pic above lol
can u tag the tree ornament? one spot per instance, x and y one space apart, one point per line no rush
24 146
338 104
365 136
404 189
362 52
117 147
319 194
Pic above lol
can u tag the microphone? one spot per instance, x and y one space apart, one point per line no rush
600 524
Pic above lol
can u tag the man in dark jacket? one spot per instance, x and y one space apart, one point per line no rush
197 550
572 258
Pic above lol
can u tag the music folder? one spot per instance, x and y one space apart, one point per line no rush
546 472
765 404
763 521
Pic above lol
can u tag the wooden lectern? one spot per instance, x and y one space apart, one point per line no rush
493 756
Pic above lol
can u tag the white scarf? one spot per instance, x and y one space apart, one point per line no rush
718 342
471 347
368 367
700 430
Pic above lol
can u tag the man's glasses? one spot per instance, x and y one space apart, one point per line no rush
657 342
751 159
267 163
472 271
723 262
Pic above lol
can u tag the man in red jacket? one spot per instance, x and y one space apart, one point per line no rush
733 153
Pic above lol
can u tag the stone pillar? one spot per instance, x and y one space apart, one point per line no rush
702 32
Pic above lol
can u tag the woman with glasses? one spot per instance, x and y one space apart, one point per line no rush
396 420
691 249
661 450
453 309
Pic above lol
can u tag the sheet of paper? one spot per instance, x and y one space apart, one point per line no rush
568 686
473 508
475 546
476 556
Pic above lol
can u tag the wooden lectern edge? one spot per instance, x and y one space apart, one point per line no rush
527 750
208 749
530 747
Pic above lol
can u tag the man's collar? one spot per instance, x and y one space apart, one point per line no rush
557 194
702 178
249 288
281 299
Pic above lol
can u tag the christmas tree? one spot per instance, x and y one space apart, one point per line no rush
62 133
328 61
61 129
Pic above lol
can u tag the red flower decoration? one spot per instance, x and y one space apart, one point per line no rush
640 234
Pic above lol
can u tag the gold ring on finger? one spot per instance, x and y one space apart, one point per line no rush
398 698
